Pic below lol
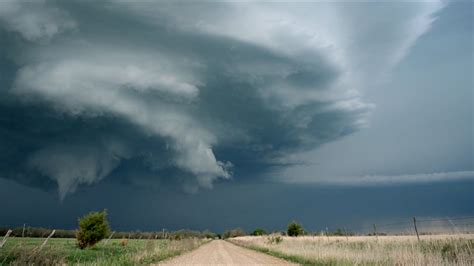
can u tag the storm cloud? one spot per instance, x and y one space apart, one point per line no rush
185 93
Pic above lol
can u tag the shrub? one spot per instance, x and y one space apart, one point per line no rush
338 232
234 233
294 229
258 232
93 227
208 234
275 239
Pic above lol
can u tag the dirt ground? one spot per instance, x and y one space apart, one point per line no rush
224 253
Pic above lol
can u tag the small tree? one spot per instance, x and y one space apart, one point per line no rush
294 229
234 233
338 232
93 227
259 232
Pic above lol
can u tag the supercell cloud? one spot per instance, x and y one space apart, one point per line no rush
186 93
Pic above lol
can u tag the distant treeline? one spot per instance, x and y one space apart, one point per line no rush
44 232
176 235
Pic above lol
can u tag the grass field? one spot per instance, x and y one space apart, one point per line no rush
21 251
367 250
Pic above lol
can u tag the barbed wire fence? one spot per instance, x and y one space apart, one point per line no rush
410 226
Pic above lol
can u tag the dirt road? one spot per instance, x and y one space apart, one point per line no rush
224 253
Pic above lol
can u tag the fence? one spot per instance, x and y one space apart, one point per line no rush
413 225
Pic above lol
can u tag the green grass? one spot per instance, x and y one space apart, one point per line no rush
20 251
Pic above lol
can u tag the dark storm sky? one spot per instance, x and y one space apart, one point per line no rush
219 115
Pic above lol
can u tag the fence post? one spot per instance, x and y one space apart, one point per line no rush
108 239
375 232
454 226
46 240
416 229
23 232
4 240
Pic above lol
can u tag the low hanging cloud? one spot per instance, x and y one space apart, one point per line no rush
381 180
186 93
34 21
72 165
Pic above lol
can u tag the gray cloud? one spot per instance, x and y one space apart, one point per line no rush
377 180
34 21
72 165
147 93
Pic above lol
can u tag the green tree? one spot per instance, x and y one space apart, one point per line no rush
338 232
294 229
93 227
258 232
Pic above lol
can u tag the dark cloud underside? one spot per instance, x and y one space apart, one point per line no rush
177 94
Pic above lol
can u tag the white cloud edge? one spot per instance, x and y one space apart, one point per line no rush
376 180
35 21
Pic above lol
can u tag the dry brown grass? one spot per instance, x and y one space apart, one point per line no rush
400 250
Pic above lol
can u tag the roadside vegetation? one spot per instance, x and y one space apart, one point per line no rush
93 245
93 227
294 229
26 251
366 250
234 233
258 232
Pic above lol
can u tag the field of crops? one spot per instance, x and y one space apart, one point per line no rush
21 251
381 250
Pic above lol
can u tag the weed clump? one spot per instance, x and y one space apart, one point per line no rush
275 240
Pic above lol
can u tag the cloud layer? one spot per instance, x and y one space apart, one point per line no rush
186 93
376 180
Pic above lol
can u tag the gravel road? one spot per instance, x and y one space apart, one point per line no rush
224 253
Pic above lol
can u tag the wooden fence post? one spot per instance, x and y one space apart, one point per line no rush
454 226
416 229
23 232
46 240
4 240
375 232
108 239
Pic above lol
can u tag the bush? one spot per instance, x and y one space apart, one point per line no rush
338 232
234 233
258 232
275 239
294 229
93 227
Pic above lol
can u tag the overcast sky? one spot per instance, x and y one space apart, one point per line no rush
218 115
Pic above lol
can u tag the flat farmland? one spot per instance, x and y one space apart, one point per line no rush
21 251
381 250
